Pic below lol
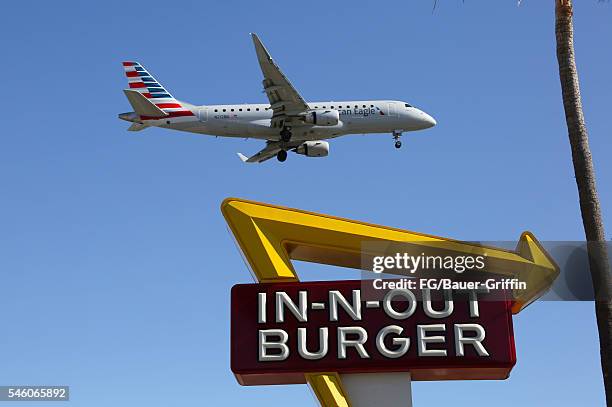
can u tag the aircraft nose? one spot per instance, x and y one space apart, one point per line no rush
427 120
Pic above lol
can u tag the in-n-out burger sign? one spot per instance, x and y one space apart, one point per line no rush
282 330
271 236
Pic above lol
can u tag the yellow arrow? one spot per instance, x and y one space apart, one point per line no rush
270 236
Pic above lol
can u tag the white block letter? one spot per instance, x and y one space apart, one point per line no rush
404 343
449 306
408 295
423 339
475 341
303 351
354 310
265 344
299 312
344 343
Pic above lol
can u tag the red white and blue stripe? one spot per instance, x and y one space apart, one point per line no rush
141 80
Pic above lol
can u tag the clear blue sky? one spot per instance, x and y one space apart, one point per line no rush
115 261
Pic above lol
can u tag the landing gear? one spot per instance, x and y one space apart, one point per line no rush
285 134
281 156
396 136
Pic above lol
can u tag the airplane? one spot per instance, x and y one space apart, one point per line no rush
287 123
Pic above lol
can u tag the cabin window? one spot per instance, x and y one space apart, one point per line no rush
216 110
224 110
257 109
316 107
248 109
332 107
356 106
371 105
232 110
364 106
240 110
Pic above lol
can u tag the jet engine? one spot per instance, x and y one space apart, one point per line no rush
315 148
327 117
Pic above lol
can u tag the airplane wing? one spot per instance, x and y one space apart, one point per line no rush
271 149
285 101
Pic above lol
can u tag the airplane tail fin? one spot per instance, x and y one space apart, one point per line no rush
153 101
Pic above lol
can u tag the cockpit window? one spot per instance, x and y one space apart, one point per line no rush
407 105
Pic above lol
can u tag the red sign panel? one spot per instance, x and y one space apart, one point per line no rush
282 330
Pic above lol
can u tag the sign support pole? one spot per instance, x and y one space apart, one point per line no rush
378 389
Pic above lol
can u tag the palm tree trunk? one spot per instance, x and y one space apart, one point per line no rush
599 263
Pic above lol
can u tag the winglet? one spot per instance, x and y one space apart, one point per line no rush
242 157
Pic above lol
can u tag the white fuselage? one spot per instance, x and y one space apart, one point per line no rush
253 120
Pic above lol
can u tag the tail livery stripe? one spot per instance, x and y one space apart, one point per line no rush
168 105
139 79
170 114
